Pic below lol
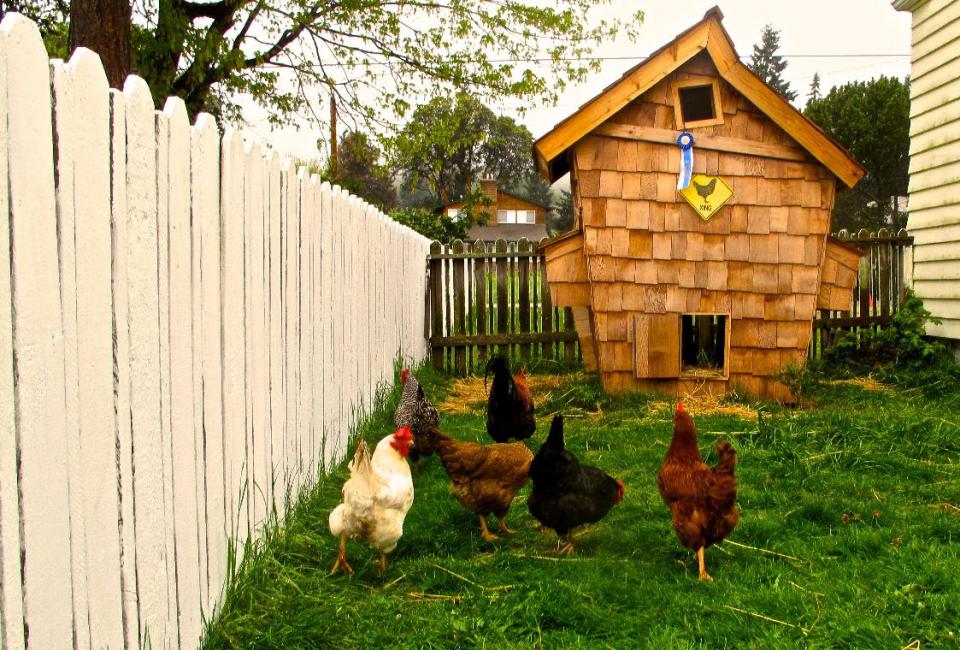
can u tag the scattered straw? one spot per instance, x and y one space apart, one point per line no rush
420 596
762 617
761 550
949 507
468 395
471 582
866 383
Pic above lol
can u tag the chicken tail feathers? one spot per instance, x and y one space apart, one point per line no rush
361 459
726 458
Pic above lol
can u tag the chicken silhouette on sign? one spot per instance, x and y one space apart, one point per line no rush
706 194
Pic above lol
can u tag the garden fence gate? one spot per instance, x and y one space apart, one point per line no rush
492 298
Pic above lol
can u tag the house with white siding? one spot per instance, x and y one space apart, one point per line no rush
934 218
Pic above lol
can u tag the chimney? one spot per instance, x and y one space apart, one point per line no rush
488 187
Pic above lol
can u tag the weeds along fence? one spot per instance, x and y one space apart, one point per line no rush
188 330
882 280
491 298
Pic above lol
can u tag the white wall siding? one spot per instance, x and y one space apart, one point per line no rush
934 219
195 326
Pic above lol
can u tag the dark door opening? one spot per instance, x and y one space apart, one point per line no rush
703 344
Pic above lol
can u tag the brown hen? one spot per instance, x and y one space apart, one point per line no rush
702 499
484 478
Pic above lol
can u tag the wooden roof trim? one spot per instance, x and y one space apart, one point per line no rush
806 133
633 84
849 246
709 34
555 245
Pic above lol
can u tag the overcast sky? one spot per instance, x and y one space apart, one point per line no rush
815 36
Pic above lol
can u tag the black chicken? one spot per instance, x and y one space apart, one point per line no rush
565 493
510 410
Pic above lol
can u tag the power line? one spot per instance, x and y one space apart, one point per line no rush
641 58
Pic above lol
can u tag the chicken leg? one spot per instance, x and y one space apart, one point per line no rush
341 563
567 547
503 527
487 535
701 559
383 563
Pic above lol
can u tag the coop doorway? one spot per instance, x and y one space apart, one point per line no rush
704 341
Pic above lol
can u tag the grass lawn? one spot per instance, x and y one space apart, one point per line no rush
850 537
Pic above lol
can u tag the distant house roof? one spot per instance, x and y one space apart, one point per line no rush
456 204
509 231
708 35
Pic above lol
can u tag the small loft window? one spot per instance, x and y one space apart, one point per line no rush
696 102
704 345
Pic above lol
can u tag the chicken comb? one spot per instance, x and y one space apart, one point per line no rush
403 376
680 406
403 434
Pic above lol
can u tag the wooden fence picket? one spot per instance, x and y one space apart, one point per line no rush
11 605
37 339
205 206
181 392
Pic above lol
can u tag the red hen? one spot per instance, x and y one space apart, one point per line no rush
702 499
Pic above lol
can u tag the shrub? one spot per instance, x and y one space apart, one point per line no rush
899 353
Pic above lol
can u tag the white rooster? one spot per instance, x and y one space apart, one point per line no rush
376 498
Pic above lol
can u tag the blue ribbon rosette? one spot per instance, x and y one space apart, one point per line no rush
685 141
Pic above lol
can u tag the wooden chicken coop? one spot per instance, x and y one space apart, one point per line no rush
714 287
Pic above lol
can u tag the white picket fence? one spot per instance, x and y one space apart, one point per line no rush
188 329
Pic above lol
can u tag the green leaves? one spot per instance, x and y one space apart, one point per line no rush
450 141
871 119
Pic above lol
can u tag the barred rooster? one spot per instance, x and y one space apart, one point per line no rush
416 411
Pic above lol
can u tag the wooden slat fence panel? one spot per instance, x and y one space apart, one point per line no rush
196 329
492 298
879 290
40 435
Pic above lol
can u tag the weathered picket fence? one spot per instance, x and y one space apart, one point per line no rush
881 285
188 329
492 298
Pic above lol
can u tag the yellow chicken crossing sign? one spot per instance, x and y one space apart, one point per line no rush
706 194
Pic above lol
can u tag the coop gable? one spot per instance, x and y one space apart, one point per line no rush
711 39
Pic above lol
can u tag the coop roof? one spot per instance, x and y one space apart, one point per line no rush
708 35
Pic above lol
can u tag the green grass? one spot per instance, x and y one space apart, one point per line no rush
847 494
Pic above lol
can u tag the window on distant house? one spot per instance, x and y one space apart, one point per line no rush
454 213
696 102
516 216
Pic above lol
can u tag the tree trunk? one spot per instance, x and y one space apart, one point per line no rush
104 27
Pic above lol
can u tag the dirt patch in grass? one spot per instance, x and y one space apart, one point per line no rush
468 394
